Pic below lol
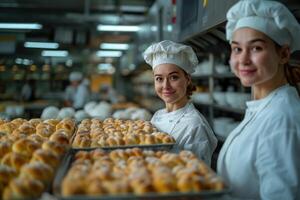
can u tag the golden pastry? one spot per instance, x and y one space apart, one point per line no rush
5 147
23 188
46 156
38 171
60 138
55 147
52 122
45 130
25 146
6 174
15 160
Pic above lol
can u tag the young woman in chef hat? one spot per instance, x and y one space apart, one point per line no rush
260 158
172 65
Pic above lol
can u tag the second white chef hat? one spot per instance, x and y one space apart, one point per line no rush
269 17
170 52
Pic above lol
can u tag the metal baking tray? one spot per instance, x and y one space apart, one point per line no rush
166 146
62 171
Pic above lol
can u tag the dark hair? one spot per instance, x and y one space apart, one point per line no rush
291 72
191 87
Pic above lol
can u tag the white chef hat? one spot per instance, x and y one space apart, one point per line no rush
170 52
75 76
269 17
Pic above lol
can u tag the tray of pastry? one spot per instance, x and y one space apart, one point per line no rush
30 153
136 173
115 133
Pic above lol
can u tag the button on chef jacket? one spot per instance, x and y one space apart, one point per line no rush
190 130
260 159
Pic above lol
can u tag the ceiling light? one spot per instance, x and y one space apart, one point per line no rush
41 45
55 53
118 28
118 46
109 53
20 26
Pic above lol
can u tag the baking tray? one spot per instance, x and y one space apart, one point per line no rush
62 171
166 146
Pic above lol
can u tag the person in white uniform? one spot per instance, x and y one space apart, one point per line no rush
260 158
77 93
172 65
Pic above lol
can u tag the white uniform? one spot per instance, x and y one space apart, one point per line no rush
79 96
260 158
190 130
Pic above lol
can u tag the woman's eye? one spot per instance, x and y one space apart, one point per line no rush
158 79
256 48
174 78
235 49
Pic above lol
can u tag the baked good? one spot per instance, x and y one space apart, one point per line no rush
34 122
46 156
60 138
6 174
23 188
25 146
38 171
7 127
5 147
55 147
45 130
15 160
52 122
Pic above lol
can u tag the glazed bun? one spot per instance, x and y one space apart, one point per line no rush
60 138
15 160
23 188
25 146
54 147
5 147
45 129
46 157
38 171
6 174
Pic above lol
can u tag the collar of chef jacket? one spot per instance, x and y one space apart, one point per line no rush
166 121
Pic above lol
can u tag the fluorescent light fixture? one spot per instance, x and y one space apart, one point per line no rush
117 46
109 53
41 45
118 28
104 66
55 53
20 26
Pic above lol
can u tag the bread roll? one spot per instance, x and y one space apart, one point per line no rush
52 122
60 138
15 160
23 188
47 157
18 121
38 171
5 147
34 122
25 146
7 127
56 148
45 130
27 129
6 174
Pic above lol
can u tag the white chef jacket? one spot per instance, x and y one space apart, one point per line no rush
260 158
190 130
79 96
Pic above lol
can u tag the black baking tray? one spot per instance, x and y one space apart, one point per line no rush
62 171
